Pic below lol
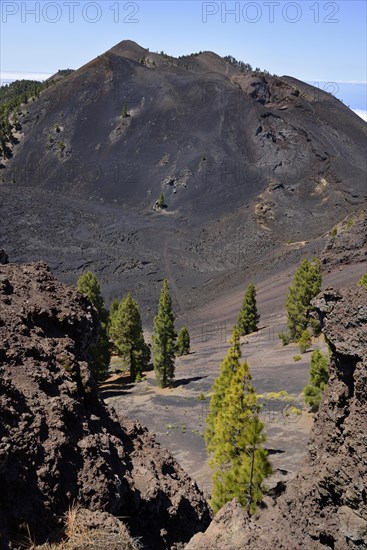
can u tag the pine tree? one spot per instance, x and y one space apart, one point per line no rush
220 388
248 317
183 342
114 307
164 340
306 285
363 281
234 435
305 341
89 286
160 200
127 333
99 354
319 376
124 113
113 310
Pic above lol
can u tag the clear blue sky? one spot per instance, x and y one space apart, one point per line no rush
311 40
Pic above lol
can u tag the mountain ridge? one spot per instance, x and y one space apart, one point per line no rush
243 159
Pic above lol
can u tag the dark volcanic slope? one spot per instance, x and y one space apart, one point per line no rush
257 133
244 160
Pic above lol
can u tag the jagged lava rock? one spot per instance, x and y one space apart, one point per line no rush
349 245
3 256
59 443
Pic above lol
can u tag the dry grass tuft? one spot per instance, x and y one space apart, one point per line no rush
85 530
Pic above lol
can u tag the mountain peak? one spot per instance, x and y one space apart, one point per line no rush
128 49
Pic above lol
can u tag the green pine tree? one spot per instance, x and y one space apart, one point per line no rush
99 354
306 285
363 281
113 310
319 376
127 334
248 317
89 286
124 113
234 435
305 341
183 342
164 340
160 201
220 389
114 307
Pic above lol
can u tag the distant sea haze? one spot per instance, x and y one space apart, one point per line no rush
353 94
7 77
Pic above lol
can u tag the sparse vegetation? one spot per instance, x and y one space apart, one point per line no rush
166 56
160 201
124 113
89 286
363 281
164 340
305 341
292 410
12 97
284 337
334 232
319 376
244 67
208 239
113 308
127 334
78 534
65 362
234 435
99 353
183 342
281 395
306 285
248 317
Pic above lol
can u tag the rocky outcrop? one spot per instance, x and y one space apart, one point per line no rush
60 445
325 506
347 243
3 256
227 530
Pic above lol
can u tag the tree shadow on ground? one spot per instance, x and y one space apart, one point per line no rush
185 381
122 385
275 451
